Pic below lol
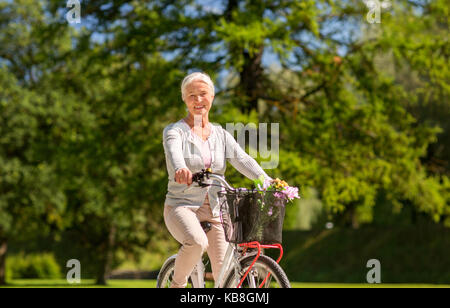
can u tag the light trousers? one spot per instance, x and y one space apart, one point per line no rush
183 224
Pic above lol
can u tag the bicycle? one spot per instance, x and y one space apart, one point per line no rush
244 264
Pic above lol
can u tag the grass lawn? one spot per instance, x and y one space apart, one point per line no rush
85 283
119 283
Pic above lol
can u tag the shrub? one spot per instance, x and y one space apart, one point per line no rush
32 266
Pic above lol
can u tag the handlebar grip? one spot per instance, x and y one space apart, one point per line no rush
196 177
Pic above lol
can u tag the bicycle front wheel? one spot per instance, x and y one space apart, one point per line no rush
259 274
165 275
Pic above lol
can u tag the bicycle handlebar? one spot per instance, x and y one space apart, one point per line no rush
199 177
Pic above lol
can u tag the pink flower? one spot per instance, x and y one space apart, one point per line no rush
291 192
279 195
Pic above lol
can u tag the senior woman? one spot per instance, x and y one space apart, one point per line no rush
192 144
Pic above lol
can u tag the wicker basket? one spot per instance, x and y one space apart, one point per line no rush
249 216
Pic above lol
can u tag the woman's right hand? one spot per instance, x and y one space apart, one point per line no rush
183 176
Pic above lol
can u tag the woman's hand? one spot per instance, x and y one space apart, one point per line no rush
183 176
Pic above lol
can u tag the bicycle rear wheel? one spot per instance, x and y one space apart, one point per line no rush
255 278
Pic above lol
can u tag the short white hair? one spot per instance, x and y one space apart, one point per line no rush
197 76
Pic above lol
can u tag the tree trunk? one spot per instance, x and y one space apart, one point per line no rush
3 250
106 255
252 79
251 85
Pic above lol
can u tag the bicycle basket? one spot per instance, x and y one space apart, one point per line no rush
252 216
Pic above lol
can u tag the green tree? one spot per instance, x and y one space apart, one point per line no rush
414 51
38 122
33 127
345 129
118 197
91 113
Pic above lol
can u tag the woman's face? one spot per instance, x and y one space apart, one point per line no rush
198 98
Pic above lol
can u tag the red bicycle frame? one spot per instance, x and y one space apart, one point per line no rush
259 246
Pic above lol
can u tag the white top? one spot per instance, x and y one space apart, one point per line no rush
205 148
183 150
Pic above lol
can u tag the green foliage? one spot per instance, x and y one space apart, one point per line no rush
346 129
411 48
28 181
43 266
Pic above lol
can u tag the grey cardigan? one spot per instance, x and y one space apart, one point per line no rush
182 150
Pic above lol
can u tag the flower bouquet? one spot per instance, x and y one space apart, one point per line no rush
280 188
271 197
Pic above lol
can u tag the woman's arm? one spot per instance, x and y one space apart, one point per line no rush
240 160
174 154
173 148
